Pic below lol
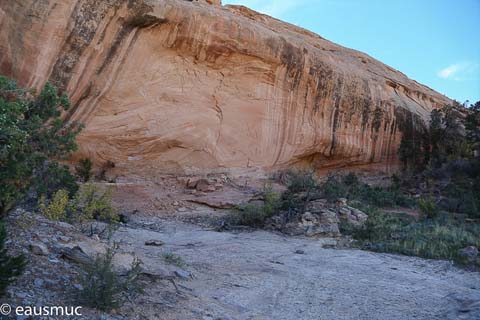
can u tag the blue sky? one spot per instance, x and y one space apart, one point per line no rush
436 42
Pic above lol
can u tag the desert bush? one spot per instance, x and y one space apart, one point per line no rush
102 287
93 203
428 208
300 181
52 177
350 179
11 267
89 203
301 187
57 208
255 215
172 258
84 169
31 132
455 186
333 189
350 187
379 226
437 238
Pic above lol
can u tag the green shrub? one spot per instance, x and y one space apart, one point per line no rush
53 177
172 258
438 238
333 189
350 179
255 215
300 181
57 208
105 289
90 202
351 188
428 208
84 169
463 194
93 203
379 226
10 267
31 132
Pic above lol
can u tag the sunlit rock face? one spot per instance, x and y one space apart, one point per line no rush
191 86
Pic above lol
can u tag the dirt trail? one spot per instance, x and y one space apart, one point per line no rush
262 275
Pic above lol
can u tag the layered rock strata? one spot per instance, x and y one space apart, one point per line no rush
191 86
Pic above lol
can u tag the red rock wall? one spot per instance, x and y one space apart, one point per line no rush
173 85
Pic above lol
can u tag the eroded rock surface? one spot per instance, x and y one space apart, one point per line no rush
321 219
174 85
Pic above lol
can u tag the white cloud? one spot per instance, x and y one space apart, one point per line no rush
458 71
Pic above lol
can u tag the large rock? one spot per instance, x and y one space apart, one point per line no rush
322 224
352 216
39 248
174 85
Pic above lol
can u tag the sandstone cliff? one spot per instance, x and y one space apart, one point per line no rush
167 85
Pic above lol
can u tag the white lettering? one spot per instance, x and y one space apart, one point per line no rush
19 311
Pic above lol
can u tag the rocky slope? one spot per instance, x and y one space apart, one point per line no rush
174 85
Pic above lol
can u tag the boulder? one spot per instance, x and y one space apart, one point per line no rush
323 224
341 201
192 182
328 216
309 219
323 230
359 216
206 185
317 205
76 254
352 216
39 248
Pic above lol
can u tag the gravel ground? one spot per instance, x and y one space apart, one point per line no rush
246 275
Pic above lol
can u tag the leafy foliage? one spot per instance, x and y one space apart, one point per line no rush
10 267
57 209
428 207
31 131
51 177
255 215
94 203
472 127
300 181
105 289
450 135
90 202
84 169
350 187
413 149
